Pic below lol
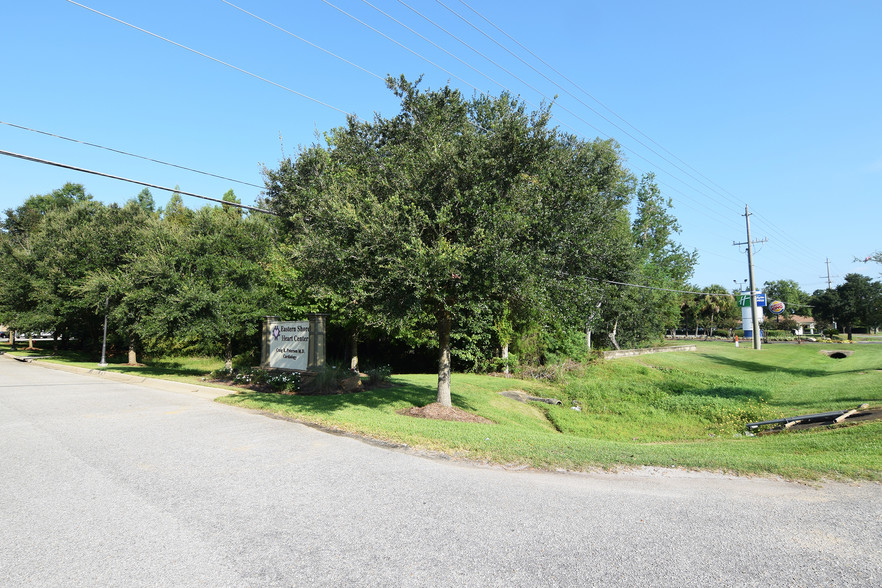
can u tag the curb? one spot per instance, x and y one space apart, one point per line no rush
207 392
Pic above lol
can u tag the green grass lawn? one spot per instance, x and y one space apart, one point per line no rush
684 409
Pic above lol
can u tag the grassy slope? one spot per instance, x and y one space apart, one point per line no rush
683 409
672 409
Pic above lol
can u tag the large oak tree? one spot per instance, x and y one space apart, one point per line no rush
456 208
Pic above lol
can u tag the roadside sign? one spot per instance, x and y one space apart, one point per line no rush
744 300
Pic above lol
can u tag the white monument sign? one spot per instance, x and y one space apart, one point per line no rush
288 344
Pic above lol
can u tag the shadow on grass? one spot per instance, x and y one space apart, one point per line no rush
762 368
155 371
731 392
399 394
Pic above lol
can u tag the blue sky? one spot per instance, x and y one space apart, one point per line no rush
771 105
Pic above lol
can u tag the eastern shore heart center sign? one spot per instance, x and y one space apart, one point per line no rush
288 344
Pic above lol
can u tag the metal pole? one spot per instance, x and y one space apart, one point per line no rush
757 344
104 341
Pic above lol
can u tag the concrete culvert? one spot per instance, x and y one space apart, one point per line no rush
836 354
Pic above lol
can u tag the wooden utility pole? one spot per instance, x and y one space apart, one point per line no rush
754 315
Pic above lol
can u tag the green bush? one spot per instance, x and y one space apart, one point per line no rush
540 346
278 380
378 374
326 380
776 334
497 364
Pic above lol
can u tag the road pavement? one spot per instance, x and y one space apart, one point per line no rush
107 483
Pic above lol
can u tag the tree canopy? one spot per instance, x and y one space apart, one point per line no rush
459 208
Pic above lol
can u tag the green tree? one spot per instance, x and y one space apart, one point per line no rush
660 263
72 247
795 300
24 220
144 199
860 302
716 308
452 209
21 304
825 306
200 285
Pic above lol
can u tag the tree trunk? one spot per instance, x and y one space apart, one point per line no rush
612 335
353 349
133 356
228 355
444 359
505 359
589 323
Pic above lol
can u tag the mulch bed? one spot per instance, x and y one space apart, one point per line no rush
444 413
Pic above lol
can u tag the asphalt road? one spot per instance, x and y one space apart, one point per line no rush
113 484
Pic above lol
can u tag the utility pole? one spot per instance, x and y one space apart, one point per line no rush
829 280
754 317
830 287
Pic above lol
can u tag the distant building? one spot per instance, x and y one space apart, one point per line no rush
804 322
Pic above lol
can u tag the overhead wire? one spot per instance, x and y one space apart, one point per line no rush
704 211
540 92
707 212
147 184
375 75
128 154
722 192
355 18
298 37
592 97
268 22
595 111
215 59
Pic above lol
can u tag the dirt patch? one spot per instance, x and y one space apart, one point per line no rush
524 397
444 413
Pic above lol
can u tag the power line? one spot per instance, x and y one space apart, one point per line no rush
722 192
405 47
436 45
363 69
287 32
581 89
705 211
465 20
113 177
540 92
129 154
659 288
215 59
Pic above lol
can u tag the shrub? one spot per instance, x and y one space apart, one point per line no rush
325 380
378 374
778 335
497 364
278 380
549 372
